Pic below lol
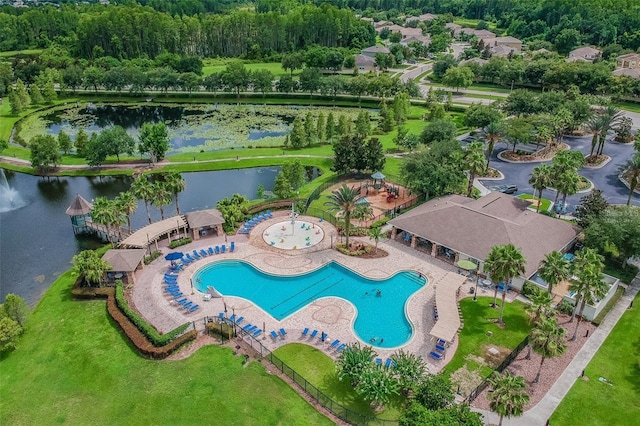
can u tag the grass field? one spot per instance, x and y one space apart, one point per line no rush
11 53
473 23
594 403
545 203
74 366
473 339
275 67
320 370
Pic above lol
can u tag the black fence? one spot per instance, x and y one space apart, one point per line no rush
500 368
334 407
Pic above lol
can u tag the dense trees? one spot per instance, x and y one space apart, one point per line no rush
13 316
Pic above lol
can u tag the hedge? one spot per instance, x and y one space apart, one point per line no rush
180 242
221 330
154 255
155 338
139 340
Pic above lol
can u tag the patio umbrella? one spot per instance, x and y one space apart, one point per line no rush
467 264
174 255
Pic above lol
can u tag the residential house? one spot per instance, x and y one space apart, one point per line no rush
454 28
584 54
627 72
422 18
371 51
425 40
630 61
365 63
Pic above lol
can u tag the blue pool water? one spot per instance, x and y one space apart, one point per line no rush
382 317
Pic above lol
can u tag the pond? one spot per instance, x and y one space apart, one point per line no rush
36 235
192 127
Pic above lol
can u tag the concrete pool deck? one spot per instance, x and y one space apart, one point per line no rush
331 315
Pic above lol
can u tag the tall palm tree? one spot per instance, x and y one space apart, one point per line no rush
375 234
143 190
567 185
542 135
612 117
128 203
632 169
503 263
161 196
176 184
596 125
344 201
554 269
540 179
508 396
548 340
540 306
108 213
590 284
492 134
474 162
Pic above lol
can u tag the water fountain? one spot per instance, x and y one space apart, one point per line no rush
10 199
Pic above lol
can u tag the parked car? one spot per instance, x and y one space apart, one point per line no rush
505 189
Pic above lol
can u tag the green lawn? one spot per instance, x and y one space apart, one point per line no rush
544 206
320 370
11 53
275 67
473 339
473 23
592 402
74 366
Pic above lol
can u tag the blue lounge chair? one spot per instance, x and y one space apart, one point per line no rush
269 213
170 275
441 342
196 255
257 333
305 332
194 308
341 347
232 247
185 261
378 361
223 249
435 355
187 305
441 348
324 336
243 231
170 280
274 335
210 251
335 343
239 320
220 316
190 257
181 300
387 363
247 327
203 253
217 250
252 329
232 318
283 332
314 333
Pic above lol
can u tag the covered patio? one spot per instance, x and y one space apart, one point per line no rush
448 322
143 238
124 263
205 222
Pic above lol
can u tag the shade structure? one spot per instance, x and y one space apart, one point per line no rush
377 176
174 255
467 264
448 321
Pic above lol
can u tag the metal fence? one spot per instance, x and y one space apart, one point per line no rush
334 407
500 368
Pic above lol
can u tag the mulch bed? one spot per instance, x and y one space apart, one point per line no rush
544 154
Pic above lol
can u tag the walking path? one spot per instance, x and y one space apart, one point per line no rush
539 414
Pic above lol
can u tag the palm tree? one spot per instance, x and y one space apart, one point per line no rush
474 162
509 395
492 134
87 263
596 125
632 169
176 184
344 201
589 284
409 368
554 269
540 180
375 234
128 204
548 340
107 213
377 385
612 117
568 184
540 306
143 190
353 361
504 262
161 196
542 135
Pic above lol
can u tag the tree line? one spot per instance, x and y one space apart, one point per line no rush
133 31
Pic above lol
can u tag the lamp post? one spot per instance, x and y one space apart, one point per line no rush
191 281
233 310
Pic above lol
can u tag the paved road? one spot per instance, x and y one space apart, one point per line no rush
414 73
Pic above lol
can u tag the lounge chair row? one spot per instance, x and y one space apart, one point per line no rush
199 254
438 353
435 313
187 305
256 219
283 333
322 337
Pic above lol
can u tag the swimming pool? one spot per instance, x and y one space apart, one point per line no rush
379 315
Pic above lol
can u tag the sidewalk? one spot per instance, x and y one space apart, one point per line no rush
539 414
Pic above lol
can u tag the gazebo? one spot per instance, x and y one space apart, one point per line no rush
203 222
124 263
378 180
80 211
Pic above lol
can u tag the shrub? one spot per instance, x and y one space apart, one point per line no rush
381 222
154 255
530 290
565 307
177 243
220 329
144 327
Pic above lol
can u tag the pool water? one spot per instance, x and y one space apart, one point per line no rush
380 304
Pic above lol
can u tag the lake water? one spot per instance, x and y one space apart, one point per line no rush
37 240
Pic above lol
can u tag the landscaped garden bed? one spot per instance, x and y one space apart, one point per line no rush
547 153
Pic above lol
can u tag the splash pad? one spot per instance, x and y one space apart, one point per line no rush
293 236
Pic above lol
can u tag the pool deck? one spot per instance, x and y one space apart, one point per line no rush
331 315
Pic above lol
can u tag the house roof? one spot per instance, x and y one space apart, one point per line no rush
627 72
364 60
584 51
419 38
79 206
376 49
483 33
204 218
452 26
628 56
124 260
478 61
381 24
507 39
473 227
